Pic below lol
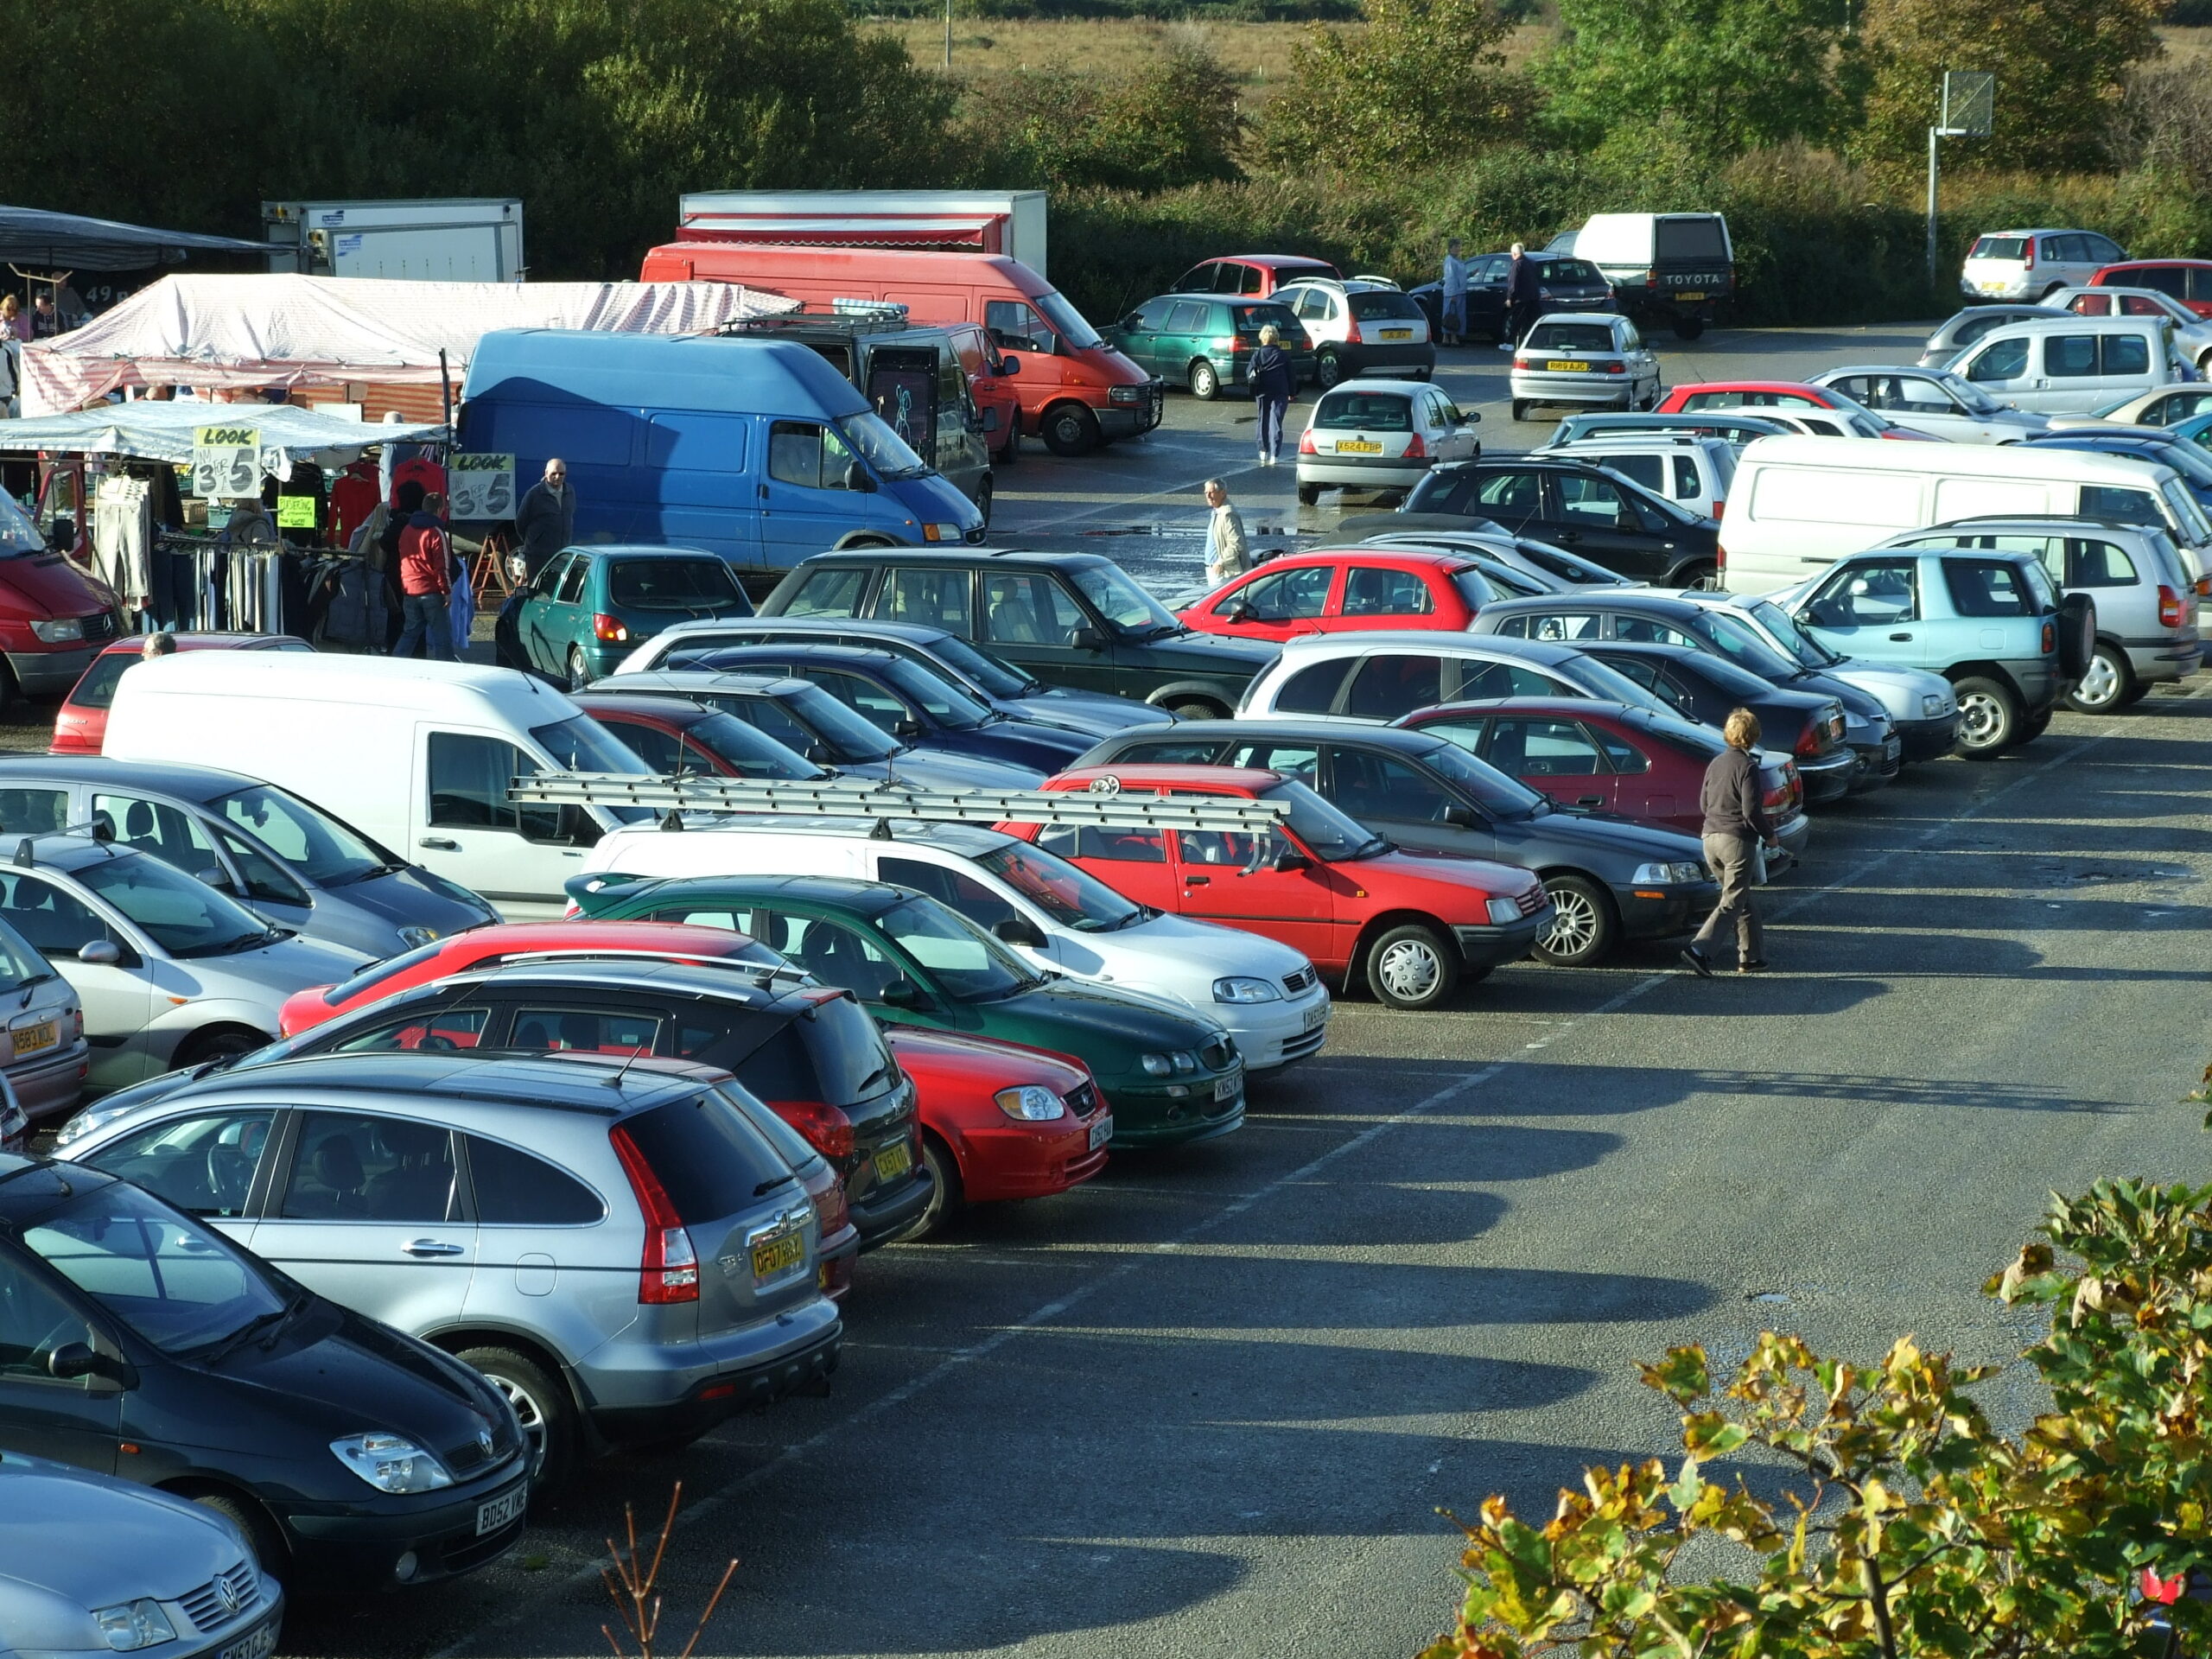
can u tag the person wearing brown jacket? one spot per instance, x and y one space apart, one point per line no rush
1736 829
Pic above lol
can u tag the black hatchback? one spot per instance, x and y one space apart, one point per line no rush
1585 509
137 1342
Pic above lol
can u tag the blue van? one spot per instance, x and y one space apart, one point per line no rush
756 448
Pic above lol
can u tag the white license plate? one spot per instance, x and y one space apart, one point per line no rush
496 1512
256 1643
1891 747
1101 1130
1226 1089
1397 334
1317 1016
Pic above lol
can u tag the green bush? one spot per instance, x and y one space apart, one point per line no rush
1174 123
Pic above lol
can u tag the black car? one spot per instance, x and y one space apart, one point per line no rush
1610 878
907 700
1668 619
674 737
137 1342
1071 618
1563 284
1584 509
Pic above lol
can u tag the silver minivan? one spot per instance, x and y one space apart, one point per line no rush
1692 472
608 1239
2076 366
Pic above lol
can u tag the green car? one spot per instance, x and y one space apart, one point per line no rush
1205 341
590 606
1168 1076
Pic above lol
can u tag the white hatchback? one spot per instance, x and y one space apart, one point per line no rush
1381 435
1934 401
1361 325
2028 264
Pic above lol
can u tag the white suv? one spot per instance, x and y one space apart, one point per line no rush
1361 326
1692 472
2028 264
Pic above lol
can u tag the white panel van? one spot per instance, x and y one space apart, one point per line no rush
418 755
1799 504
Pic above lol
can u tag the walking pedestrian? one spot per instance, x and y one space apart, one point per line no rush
425 579
1228 554
1524 297
1455 295
1738 836
1272 381
545 522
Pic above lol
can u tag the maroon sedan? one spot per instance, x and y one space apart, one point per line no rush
1611 758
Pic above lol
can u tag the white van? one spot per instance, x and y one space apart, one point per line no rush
1799 504
418 755
2074 367
1675 269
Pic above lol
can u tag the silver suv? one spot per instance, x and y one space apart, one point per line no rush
608 1240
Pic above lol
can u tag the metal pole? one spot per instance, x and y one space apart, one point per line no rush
1931 207
948 34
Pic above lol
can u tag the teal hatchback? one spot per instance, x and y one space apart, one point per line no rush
590 606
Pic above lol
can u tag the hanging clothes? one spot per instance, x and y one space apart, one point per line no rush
123 539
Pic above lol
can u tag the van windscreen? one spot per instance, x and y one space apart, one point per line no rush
1695 237
1069 320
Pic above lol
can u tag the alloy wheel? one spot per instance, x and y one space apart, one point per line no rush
1979 716
1574 923
1409 969
2100 685
579 676
528 1412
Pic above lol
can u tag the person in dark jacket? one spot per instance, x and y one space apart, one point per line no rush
1524 297
1736 829
546 521
1272 382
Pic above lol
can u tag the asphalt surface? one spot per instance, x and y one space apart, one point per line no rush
1209 1403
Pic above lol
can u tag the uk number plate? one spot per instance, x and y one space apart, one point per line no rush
1892 747
31 1038
1317 1016
260 1641
1226 1088
1101 1130
778 1255
1397 334
1357 447
892 1161
1694 294
1566 365
495 1512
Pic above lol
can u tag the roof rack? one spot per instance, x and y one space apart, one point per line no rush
846 317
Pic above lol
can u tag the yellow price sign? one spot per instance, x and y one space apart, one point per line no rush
295 512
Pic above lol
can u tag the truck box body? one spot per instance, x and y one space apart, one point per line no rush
462 240
1011 222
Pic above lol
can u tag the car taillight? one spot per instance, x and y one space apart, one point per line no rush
1720 562
1812 741
1718 502
668 1270
831 1213
2049 639
78 1015
2032 253
1524 362
607 631
1352 337
827 1130
1415 449
2170 613
1616 368
1305 441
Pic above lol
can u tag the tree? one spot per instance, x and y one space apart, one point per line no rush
1173 121
1914 1530
1732 74
2061 74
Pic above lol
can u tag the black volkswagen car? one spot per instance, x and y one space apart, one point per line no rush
1609 879
137 1342
1563 284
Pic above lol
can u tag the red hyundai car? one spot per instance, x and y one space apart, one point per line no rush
1333 590
1795 397
2189 281
1411 926
80 724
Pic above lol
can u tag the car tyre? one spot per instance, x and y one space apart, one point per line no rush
1205 380
541 1402
1197 709
1989 718
1411 966
1584 929
1309 495
579 675
1520 409
944 1190
224 1042
2105 685
1328 371
1700 575
262 1535
1688 328
983 502
1070 429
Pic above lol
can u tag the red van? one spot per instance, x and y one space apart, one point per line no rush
54 617
1077 392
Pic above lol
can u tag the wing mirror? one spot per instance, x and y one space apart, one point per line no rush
1088 640
1239 611
907 727
1462 818
1009 366
100 953
1019 930
904 994
856 478
1288 857
72 1360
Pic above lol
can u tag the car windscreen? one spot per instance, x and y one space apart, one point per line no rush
1328 833
1743 646
1070 321
696 587
2000 247
2187 513
706 1156
97 689
1798 643
18 535
936 694
834 1054
1608 685
1508 797
582 744
980 668
1121 602
186 918
872 438
327 852
1364 411
745 749
967 962
1375 305
1695 237
850 737
1587 338
1972 398
1250 319
1727 678
1068 895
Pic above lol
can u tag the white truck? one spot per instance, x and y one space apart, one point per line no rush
1011 222
454 239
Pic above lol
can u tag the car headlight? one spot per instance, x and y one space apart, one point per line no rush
1166 1065
390 1463
1031 1102
1238 989
131 1625
1660 875
67 627
413 937
941 532
1932 704
82 1125
1502 912
1125 394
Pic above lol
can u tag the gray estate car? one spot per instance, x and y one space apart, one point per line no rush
608 1240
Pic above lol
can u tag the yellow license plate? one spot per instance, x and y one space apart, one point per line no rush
773 1256
1397 334
1357 447
894 1161
31 1038
1562 366
1690 297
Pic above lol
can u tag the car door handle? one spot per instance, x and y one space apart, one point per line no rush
1900 636
1590 800
432 1247
1197 880
1570 536
441 843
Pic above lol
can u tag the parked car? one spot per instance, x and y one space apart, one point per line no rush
1057 920
1563 284
54 619
1583 508
2165 407
1345 589
1551 568
2152 444
675 737
589 607
1498 562
280 855
1381 435
1360 326
1992 624
1790 399
905 701
627 1262
2188 281
1693 473
1253 275
1203 342
1675 269
346 1453
1731 427
80 722
2146 607
98 1566
2028 264
1584 362
46 1055
1609 879
1614 759
1961 328
1379 676
1936 402
2073 367
1074 619
2192 333
815 725
1408 927
1169 1074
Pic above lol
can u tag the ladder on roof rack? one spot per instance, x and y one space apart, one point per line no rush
1113 807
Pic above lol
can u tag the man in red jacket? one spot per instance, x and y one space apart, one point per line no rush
425 579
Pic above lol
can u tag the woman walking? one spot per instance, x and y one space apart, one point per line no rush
1272 382
1737 832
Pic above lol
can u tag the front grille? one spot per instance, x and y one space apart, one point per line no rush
1531 901
1217 1054
102 627
1298 1047
470 1458
1083 1100
224 1598
1300 982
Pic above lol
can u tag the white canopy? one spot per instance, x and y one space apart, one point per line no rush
148 430
304 331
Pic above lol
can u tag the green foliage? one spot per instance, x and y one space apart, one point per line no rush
1173 123
1731 74
1912 1530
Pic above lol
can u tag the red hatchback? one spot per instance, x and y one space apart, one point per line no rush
80 724
2189 281
1252 275
1337 590
1410 925
1791 396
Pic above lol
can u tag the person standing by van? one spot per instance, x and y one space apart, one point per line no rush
425 579
1273 383
1228 554
546 521
1737 835
1524 297
1455 293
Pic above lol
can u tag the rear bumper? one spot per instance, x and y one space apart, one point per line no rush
1372 357
720 1393
879 1220
53 1083
1361 471
2166 658
1486 947
1580 390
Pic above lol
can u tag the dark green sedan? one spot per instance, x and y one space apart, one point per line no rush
1169 1075
1205 341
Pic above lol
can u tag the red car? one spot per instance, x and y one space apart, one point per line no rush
1255 276
1792 397
673 735
1409 925
80 724
2189 281
1336 589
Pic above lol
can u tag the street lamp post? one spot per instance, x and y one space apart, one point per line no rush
1969 101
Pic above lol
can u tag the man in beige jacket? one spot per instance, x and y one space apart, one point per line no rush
1228 554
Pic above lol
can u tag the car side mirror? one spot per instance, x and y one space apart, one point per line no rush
61 535
1288 858
1462 817
818 752
1088 640
1009 366
1237 610
904 994
1467 416
1625 521
72 1360
856 478
100 953
1019 930
908 728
